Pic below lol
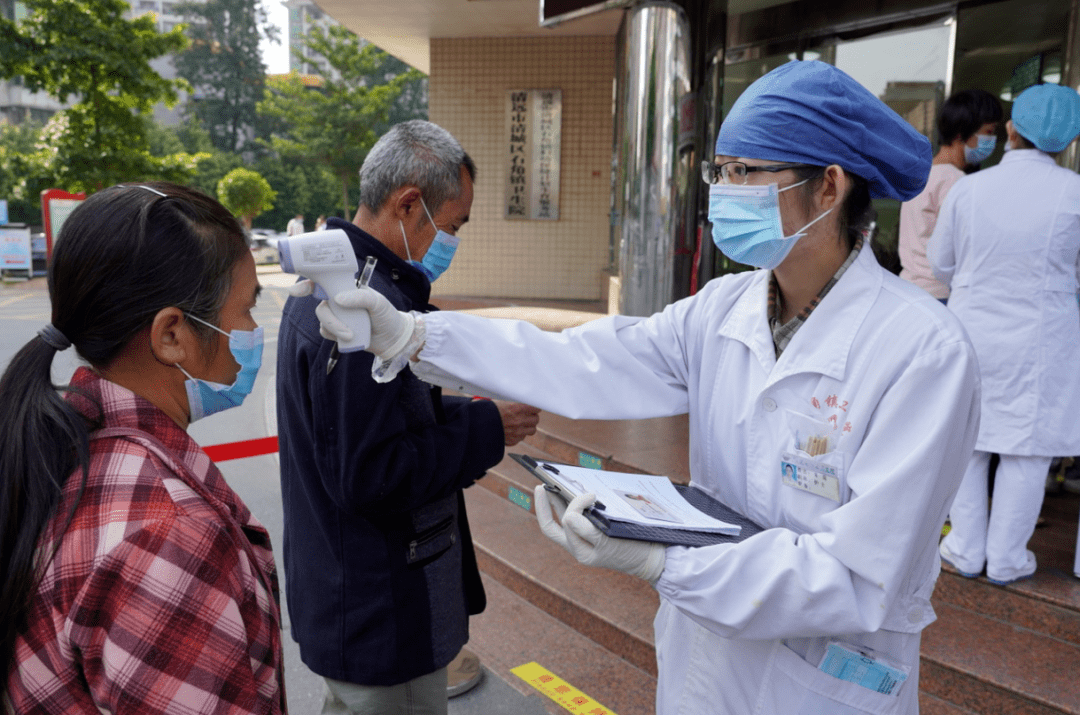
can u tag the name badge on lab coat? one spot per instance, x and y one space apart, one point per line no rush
811 475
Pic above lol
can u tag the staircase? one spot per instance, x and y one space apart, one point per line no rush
993 650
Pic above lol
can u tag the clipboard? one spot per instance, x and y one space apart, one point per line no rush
659 534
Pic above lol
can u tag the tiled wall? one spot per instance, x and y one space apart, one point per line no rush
467 95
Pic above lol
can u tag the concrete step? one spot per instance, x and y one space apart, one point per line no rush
610 608
994 649
508 474
933 705
1043 605
972 663
652 446
512 631
988 666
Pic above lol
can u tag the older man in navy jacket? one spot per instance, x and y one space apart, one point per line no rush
380 570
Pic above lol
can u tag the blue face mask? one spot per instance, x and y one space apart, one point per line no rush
439 254
746 224
208 398
982 150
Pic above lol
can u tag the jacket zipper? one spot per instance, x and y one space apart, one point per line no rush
433 534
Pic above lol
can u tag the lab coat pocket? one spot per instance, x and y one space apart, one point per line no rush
794 686
808 486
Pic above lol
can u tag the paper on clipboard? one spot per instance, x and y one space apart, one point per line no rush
634 498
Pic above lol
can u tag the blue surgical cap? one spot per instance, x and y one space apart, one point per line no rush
813 113
1047 115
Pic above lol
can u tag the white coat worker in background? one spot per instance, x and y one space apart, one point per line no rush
1007 241
880 372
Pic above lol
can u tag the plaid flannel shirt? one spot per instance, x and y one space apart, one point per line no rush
783 333
161 596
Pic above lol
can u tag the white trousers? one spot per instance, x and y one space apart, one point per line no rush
997 536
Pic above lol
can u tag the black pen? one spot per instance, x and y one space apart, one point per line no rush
596 504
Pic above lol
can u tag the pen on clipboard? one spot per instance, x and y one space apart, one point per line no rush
596 504
361 282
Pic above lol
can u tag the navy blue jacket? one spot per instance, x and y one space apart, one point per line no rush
380 571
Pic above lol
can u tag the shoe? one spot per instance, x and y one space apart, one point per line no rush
1006 582
946 558
463 674
1021 574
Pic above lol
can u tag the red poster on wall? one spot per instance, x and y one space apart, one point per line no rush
56 206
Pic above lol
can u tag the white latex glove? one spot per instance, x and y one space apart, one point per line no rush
593 547
544 506
390 328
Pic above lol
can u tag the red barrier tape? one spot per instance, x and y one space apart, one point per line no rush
239 450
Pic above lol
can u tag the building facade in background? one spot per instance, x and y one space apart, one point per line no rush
167 18
17 104
305 15
644 87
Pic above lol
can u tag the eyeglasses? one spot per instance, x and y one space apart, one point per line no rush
734 172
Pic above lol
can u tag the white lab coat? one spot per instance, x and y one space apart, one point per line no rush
881 360
1008 239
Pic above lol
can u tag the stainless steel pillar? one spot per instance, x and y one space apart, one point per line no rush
653 76
1070 77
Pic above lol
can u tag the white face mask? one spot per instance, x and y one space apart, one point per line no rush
208 398
746 223
439 254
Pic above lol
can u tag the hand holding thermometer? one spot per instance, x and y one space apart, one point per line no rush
327 259
361 282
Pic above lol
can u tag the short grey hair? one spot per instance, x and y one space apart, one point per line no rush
414 153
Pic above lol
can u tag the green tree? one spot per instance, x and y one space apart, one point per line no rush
412 103
225 66
303 187
86 49
336 125
212 168
20 180
189 138
246 194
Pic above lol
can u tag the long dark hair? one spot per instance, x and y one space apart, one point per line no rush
124 254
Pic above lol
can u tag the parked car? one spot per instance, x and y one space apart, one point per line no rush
264 244
262 237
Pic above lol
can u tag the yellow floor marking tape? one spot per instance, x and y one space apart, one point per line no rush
566 695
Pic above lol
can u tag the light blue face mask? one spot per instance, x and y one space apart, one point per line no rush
982 150
746 224
439 254
208 398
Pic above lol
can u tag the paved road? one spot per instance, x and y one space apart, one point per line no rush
24 309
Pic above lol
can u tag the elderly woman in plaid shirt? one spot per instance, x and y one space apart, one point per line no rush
133 578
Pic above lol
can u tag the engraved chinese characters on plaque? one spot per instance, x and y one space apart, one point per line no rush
534 130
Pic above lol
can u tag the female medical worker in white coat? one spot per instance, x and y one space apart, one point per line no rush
880 375
1008 241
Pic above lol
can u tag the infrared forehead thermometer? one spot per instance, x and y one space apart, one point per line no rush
327 259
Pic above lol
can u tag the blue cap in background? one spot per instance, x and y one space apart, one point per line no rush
814 113
1047 115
